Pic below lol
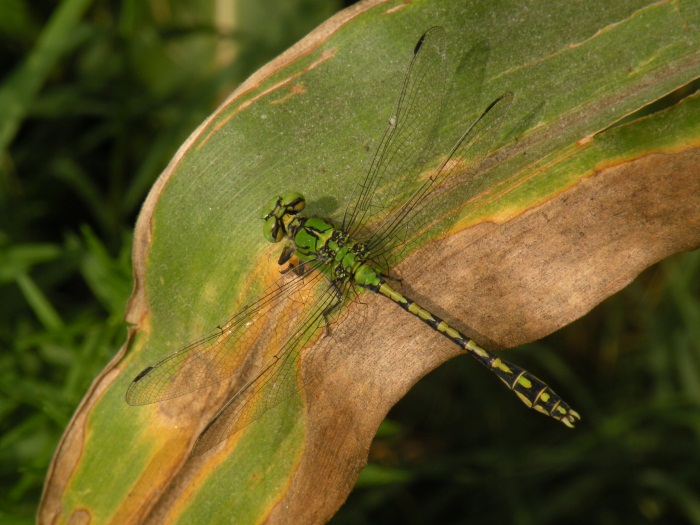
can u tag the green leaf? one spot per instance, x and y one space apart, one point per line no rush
572 209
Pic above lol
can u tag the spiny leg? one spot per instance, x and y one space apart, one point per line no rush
301 269
288 256
328 311
394 278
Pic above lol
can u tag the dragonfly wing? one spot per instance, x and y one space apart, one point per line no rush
444 192
258 326
408 140
279 378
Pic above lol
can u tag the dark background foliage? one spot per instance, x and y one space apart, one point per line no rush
92 112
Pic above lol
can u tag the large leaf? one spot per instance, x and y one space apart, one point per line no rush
572 210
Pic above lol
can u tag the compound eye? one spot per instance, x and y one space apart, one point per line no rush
271 208
273 229
293 202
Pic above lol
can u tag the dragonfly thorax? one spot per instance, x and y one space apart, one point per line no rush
279 213
341 258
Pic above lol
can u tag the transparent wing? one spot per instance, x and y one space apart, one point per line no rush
408 140
279 378
448 188
260 326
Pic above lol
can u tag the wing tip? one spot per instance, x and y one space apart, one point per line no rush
132 394
432 31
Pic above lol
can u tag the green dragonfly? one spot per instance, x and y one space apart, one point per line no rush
305 313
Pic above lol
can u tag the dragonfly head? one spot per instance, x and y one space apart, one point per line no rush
279 212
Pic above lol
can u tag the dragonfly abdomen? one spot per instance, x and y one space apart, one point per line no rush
532 391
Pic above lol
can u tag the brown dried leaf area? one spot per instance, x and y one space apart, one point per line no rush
517 282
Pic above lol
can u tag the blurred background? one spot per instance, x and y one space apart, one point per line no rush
95 98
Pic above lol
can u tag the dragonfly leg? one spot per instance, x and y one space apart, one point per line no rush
286 254
292 263
393 278
329 311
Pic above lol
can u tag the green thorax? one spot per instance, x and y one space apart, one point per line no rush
317 239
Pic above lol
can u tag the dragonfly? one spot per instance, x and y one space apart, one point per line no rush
328 265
